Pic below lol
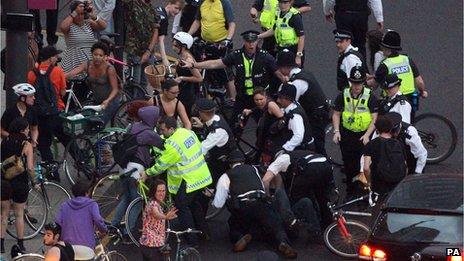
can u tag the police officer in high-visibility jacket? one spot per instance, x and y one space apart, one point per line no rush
403 66
187 172
288 30
356 109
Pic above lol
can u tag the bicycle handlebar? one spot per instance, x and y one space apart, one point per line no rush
187 231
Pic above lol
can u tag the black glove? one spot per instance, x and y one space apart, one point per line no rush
227 43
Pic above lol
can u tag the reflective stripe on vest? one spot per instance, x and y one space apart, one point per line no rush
248 77
192 168
284 34
267 17
400 65
356 115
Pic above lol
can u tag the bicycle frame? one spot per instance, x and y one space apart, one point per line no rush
72 96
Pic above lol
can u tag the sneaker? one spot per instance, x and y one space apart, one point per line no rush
287 251
242 243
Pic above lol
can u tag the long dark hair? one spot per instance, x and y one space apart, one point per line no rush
374 38
152 184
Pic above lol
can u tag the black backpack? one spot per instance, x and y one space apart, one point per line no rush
125 149
46 102
392 161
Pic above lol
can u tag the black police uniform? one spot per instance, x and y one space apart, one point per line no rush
314 103
249 208
353 16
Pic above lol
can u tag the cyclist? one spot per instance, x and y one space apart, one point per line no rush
356 109
187 78
59 250
241 186
403 66
395 101
266 19
173 8
310 96
23 108
253 67
219 141
348 57
169 104
187 173
288 31
215 19
101 80
16 189
416 154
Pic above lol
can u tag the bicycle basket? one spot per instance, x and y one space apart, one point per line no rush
86 122
155 75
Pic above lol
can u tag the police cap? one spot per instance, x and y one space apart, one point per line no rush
391 81
250 35
357 74
236 156
285 58
342 34
391 40
204 104
287 91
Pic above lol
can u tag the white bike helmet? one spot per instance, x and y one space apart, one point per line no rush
23 89
184 38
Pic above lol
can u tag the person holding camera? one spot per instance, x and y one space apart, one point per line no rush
79 29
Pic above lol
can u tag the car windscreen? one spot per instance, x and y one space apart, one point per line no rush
406 227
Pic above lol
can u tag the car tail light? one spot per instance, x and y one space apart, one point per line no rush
367 252
454 258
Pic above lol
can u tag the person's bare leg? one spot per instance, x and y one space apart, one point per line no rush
19 222
5 210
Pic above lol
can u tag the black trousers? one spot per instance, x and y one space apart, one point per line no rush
49 127
352 149
151 253
257 214
357 24
293 49
190 211
52 22
318 121
269 45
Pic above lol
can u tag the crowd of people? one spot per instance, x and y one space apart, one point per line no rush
266 83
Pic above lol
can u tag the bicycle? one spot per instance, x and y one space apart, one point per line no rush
344 237
187 253
29 257
101 251
42 204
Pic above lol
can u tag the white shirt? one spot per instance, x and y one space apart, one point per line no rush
300 85
403 109
350 61
176 23
374 5
296 125
417 148
281 163
217 138
378 58
104 9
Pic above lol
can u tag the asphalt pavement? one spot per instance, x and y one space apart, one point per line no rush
431 34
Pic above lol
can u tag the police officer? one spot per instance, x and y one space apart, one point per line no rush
356 110
416 154
305 174
242 188
348 57
295 131
310 96
403 66
268 9
395 100
353 16
288 30
219 141
254 67
187 172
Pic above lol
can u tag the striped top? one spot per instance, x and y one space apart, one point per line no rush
79 41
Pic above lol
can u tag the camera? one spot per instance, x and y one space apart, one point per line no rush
87 7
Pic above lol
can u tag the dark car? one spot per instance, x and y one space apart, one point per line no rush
419 220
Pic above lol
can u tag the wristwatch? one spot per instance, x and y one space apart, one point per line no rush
299 54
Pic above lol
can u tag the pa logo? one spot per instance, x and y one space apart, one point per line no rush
453 251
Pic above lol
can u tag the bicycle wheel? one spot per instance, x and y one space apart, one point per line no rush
189 254
345 246
112 256
56 195
106 193
35 216
29 257
334 153
79 160
133 220
121 118
438 134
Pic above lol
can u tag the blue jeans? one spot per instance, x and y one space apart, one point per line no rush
304 209
110 110
129 194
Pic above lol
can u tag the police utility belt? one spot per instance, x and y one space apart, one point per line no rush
249 197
